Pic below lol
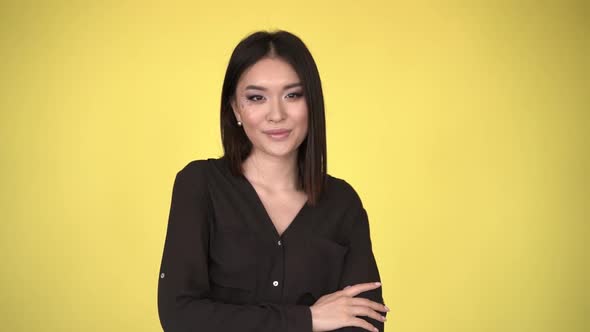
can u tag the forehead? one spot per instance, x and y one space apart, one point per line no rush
269 72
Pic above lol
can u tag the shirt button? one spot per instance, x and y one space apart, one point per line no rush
162 275
279 243
275 283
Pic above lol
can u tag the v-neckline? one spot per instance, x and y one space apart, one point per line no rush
263 210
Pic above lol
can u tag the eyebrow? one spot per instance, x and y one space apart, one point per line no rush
257 87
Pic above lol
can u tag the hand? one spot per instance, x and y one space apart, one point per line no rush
339 309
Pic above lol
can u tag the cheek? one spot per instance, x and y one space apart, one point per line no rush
253 119
301 115
249 109
304 126
301 118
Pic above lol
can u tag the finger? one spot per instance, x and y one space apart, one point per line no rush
359 301
364 311
359 288
359 322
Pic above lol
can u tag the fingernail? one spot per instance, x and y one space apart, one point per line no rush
346 287
378 284
383 318
386 308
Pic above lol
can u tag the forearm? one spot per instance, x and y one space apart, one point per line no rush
207 315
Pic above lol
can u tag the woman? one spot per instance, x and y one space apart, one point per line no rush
262 238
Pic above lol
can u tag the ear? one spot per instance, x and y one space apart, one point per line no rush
235 109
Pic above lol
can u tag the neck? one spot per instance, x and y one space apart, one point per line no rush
276 173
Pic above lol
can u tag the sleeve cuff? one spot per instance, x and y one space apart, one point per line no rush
299 319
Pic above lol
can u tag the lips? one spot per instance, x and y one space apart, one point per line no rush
278 135
277 132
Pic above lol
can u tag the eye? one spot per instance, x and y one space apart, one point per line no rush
295 95
254 98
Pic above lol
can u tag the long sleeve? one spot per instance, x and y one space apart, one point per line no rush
360 265
183 284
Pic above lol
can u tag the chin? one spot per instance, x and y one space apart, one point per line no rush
279 152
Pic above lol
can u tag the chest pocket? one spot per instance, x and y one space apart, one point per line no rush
326 259
232 266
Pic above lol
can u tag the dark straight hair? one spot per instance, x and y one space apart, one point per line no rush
311 159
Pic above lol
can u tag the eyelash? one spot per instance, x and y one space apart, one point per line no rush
251 98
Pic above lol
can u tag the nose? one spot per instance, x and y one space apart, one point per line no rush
277 111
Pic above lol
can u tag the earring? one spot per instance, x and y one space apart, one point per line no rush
239 123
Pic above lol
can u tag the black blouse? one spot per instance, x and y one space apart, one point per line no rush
225 268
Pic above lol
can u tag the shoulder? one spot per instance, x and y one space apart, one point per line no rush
194 167
201 167
194 172
341 191
204 170
345 206
192 181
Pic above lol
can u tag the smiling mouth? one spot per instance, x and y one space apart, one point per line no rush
279 135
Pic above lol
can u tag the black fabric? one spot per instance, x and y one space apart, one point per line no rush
224 269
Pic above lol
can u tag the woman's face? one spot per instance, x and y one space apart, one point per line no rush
269 102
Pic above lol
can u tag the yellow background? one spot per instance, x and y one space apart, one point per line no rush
462 125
